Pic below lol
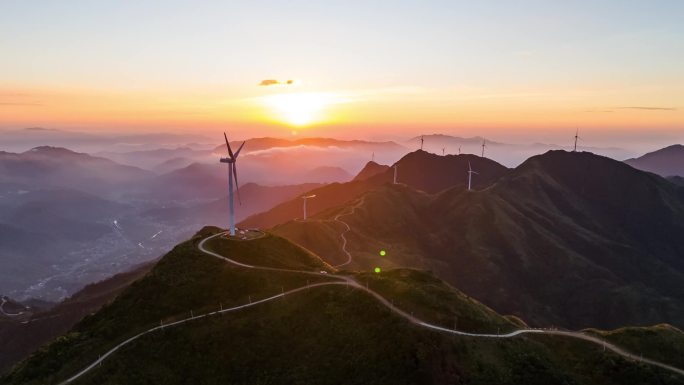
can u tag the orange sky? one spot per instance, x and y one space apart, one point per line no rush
393 110
377 70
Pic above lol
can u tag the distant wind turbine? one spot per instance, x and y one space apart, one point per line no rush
395 173
470 175
459 150
305 198
232 172
483 146
422 139
576 138
373 157
443 151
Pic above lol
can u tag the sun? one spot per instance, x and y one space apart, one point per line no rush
299 109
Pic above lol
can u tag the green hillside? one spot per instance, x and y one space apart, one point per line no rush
662 342
321 335
569 239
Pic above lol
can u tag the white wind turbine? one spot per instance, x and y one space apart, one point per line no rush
305 198
232 172
470 175
395 173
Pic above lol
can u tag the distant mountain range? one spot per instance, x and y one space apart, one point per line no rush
70 218
668 161
53 167
509 154
20 140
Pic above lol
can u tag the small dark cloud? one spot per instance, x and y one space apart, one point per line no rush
274 82
648 108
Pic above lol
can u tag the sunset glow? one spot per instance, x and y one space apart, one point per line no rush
298 109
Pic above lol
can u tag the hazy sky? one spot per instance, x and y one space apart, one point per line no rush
360 68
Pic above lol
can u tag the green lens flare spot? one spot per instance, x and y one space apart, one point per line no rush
383 253
377 270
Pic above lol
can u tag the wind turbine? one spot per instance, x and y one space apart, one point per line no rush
232 172
576 137
395 173
373 157
305 198
443 151
459 150
483 146
422 139
470 175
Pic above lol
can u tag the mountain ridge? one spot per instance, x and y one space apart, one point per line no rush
495 243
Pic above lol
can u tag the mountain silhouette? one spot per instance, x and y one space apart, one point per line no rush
371 169
668 161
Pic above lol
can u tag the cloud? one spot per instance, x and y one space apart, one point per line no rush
274 82
14 104
648 108
298 148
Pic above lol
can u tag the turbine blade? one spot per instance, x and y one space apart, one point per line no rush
469 168
237 187
238 151
230 152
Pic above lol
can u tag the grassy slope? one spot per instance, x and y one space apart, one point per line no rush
660 342
271 250
382 218
324 335
350 339
432 300
323 235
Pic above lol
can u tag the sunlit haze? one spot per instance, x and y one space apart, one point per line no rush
522 71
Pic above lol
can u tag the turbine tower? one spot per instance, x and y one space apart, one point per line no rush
373 157
443 151
422 139
459 150
305 198
395 173
576 137
232 173
470 175
483 146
